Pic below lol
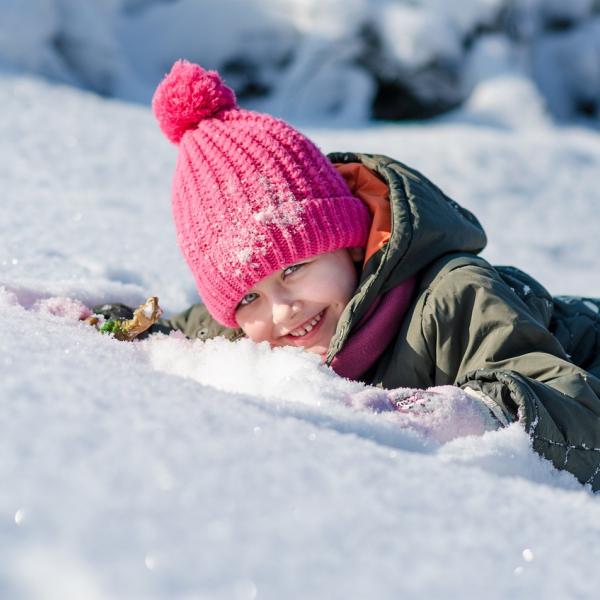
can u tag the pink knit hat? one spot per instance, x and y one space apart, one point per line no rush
251 195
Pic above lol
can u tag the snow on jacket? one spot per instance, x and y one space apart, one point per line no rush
494 330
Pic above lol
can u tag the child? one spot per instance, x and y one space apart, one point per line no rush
364 261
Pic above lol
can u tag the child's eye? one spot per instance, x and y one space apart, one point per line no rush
247 299
291 269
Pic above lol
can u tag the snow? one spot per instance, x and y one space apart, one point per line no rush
304 59
129 482
567 68
188 470
412 48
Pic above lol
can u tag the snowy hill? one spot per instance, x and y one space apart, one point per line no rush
180 470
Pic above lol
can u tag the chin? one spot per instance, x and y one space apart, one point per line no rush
320 350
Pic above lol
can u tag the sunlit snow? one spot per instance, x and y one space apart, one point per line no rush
188 470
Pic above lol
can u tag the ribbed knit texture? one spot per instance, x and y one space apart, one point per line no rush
251 195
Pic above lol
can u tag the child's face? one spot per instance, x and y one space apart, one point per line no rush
301 304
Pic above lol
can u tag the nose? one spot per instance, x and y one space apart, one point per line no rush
282 312
283 308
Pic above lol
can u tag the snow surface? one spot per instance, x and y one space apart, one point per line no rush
188 470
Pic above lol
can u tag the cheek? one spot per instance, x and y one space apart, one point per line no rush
343 286
256 330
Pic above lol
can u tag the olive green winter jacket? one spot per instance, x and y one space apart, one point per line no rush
492 329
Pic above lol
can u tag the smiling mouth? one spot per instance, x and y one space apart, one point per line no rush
307 327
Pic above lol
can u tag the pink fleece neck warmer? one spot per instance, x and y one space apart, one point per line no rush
374 332
251 194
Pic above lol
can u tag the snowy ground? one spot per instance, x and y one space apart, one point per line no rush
179 470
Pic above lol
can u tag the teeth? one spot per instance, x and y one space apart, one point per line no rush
307 328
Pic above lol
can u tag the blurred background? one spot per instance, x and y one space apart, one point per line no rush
343 61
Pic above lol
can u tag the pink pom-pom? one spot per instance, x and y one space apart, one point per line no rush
187 95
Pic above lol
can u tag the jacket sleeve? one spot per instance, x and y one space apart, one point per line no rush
483 337
195 322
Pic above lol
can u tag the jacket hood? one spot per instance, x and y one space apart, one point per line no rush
424 225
